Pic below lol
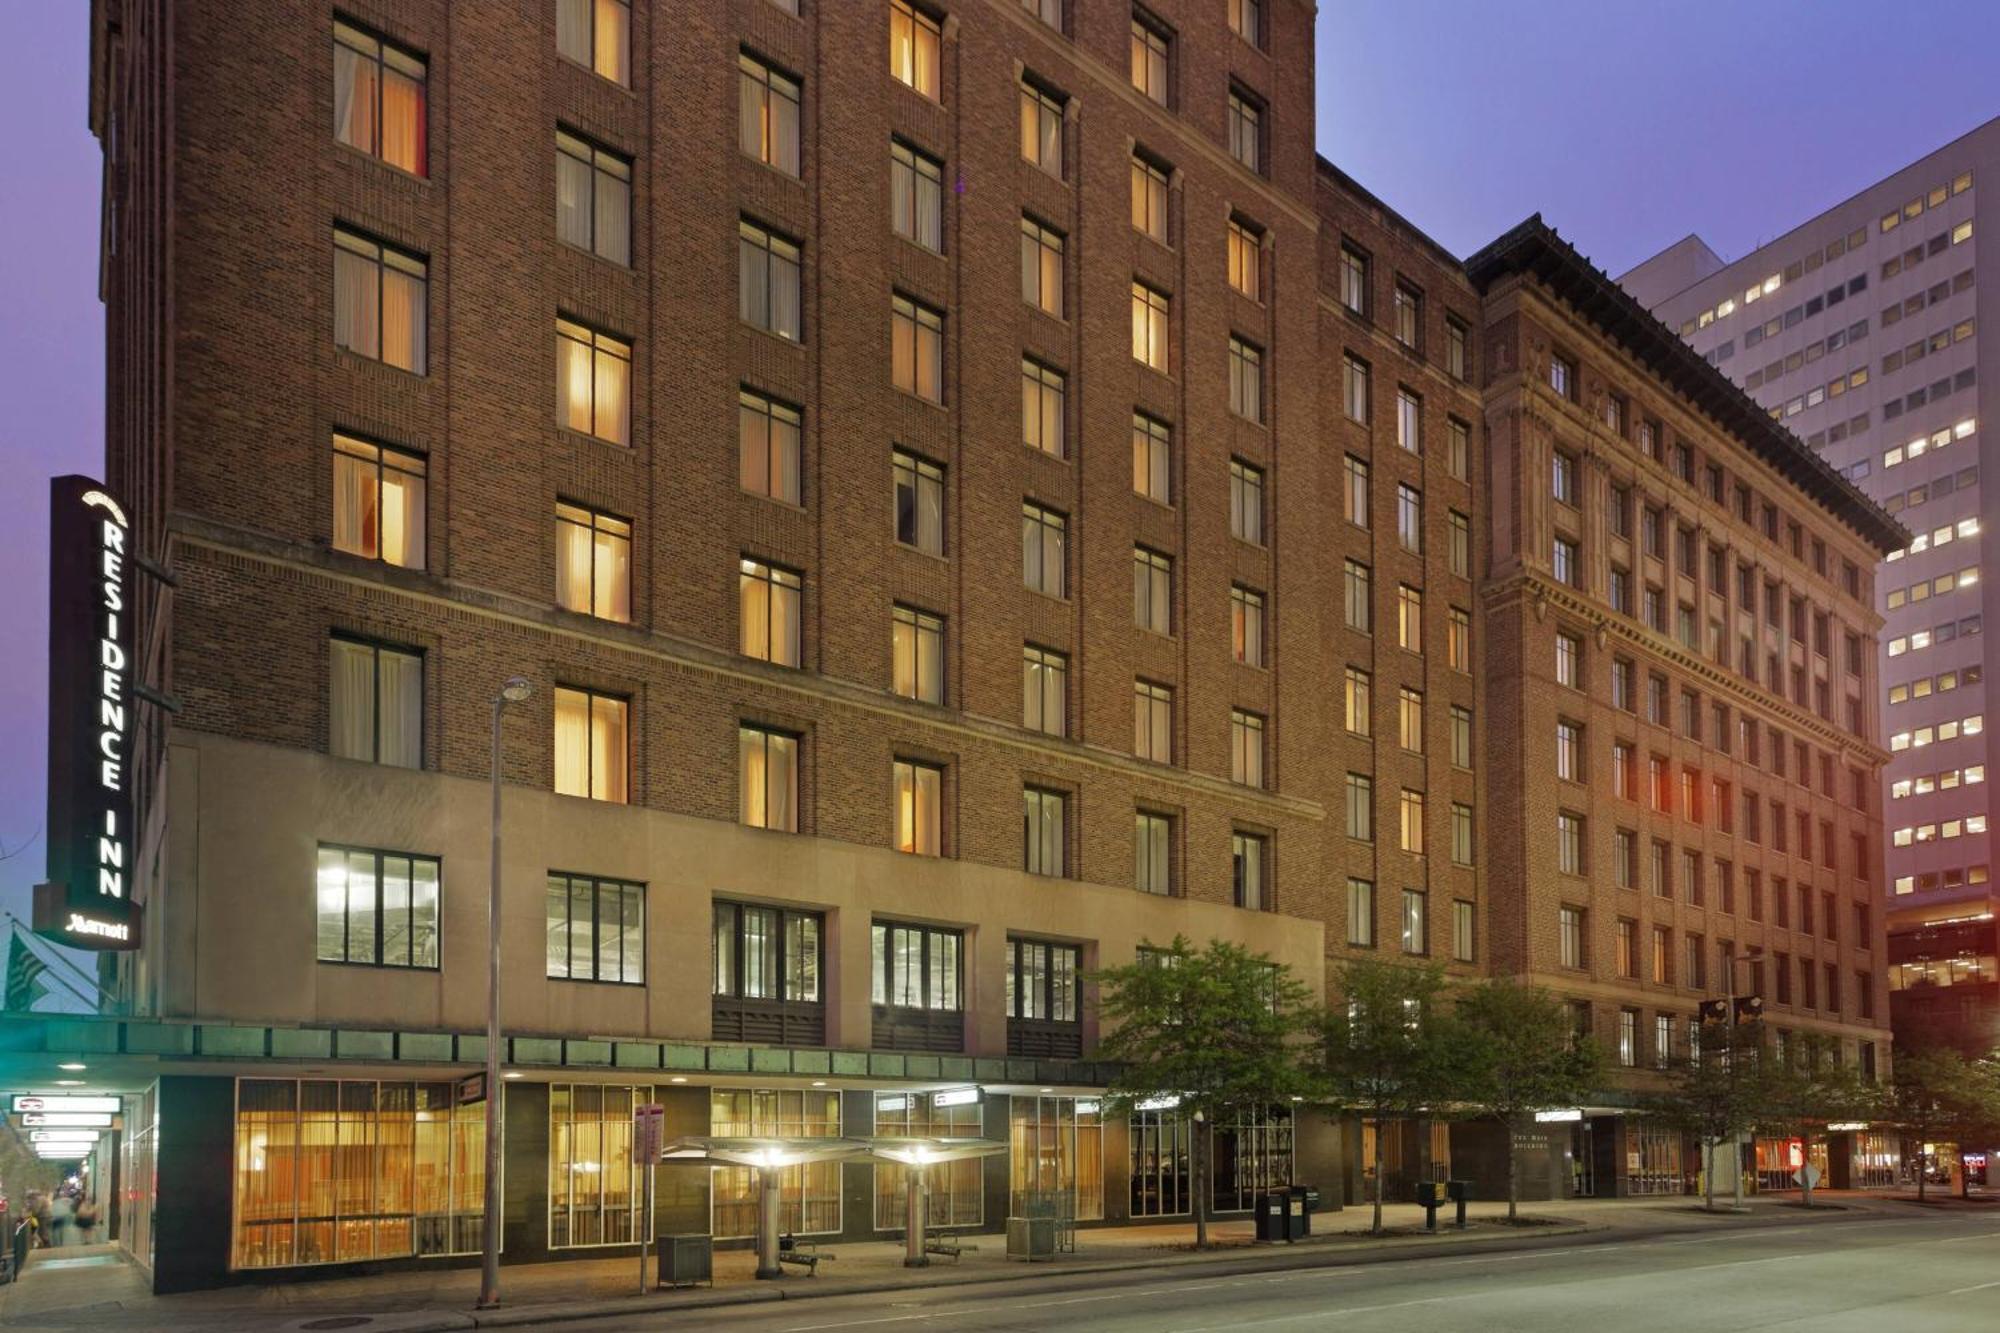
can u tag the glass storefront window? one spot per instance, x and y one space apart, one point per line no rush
331 1171
1656 1159
596 1193
957 1190
1057 1149
808 1195
1160 1164
1252 1154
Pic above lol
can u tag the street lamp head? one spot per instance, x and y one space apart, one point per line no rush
516 689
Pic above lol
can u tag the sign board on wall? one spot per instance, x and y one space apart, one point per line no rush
87 902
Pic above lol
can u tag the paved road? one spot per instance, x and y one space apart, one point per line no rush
1917 1274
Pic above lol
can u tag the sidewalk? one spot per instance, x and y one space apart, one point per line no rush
95 1287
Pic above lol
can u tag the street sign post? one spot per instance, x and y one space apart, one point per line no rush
649 1120
1806 1177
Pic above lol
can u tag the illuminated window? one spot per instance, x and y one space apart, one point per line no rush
596 930
768 607
914 38
593 562
917 655
375 703
1042 129
1150 310
380 300
379 99
916 196
597 35
377 908
767 438
593 382
1149 199
768 106
1042 267
378 502
768 773
592 746
593 199
916 349
919 812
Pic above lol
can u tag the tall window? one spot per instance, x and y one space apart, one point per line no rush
1461 737
1360 702
1246 20
1410 617
1044 981
1569 750
809 1193
1246 380
1410 821
1360 807
1569 660
593 562
1416 922
1042 129
1460 528
917 655
1409 421
767 438
1246 748
1149 60
1149 199
1458 448
593 382
916 196
1248 854
1354 385
768 114
596 34
1246 625
1153 721
919 496
1043 829
597 929
597 1193
1246 502
1461 834
1245 260
1455 339
1152 459
1464 947
1569 843
378 502
380 302
378 908
767 953
1359 593
1356 491
1354 280
1044 549
1562 375
1246 131
919 808
593 199
1149 326
916 967
379 95
767 287
1569 921
1409 321
593 747
1044 691
1042 267
914 38
1360 913
1152 846
768 770
1152 590
768 607
1409 517
375 703
916 349
954 1192
1043 392
1563 474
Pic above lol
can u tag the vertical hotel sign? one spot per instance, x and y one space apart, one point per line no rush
87 902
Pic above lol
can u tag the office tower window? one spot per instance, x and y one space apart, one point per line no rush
919 808
1563 485
1566 562
593 382
1246 259
916 655
1458 639
1359 594
1458 448
1044 981
1044 392
1246 20
1043 825
1152 460
768 603
1456 362
1042 129
596 929
1569 660
378 502
1044 549
1409 517
1410 822
1360 913
1149 59
916 196
1152 590
1044 691
1628 948
1354 389
919 497
1569 843
768 772
1150 309
1569 750
1361 807
1663 1040
1461 737
1570 934
915 967
768 114
1410 719
1416 923
1152 843
1463 945
1246 625
380 302
1408 319
1246 130
1356 491
1409 421
1410 618
593 198
767 439
1246 380
375 703
376 908
379 99
1153 721
1663 955
1354 280
767 281
1246 748
1250 871
1149 198
592 746
1625 859
593 562
1042 267
1360 702
916 349
1461 834
767 953
1460 528
1628 1038
596 34
914 39
1562 375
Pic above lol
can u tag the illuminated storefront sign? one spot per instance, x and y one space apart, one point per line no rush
955 1097
87 902
66 1119
35 1101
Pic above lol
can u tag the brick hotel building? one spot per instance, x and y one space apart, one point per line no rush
697 362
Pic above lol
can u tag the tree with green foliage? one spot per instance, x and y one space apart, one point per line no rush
1923 1097
1808 1089
1525 1056
1715 1092
1393 1047
1219 1029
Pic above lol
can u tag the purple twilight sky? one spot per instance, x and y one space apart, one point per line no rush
1627 123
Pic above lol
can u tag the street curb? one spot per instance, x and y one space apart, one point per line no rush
1259 1261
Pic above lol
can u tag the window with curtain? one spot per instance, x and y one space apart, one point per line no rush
767 438
377 908
1246 748
1246 625
1045 828
597 34
1249 870
1042 129
1041 267
375 703
380 297
1043 391
1149 198
596 929
378 501
597 1192
593 198
768 953
1150 308
767 288
379 97
919 495
593 382
593 562
914 39
1152 459
1044 549
1044 690
1153 721
916 967
916 654
1246 502
919 808
1152 590
916 196
768 111
1246 129
592 748
955 1194
1152 854
916 349
331 1171
768 602
768 762
1058 1150
1246 380
1149 60
809 1193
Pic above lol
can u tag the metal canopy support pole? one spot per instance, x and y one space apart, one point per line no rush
489 1268
767 1223
913 1216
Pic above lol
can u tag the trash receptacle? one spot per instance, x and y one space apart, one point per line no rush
1271 1215
1299 1217
686 1259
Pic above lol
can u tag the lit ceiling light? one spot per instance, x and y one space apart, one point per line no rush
678 1078
69 1083
72 1066
511 1074
819 1083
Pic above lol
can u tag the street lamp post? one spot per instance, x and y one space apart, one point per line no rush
514 690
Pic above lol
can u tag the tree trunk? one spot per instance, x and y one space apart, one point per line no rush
1708 1178
1805 1171
1964 1179
1201 1149
1923 1171
1513 1173
1380 1129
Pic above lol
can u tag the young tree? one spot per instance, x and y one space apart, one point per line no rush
1715 1092
1524 1057
1926 1085
1393 1047
1807 1091
1219 1028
